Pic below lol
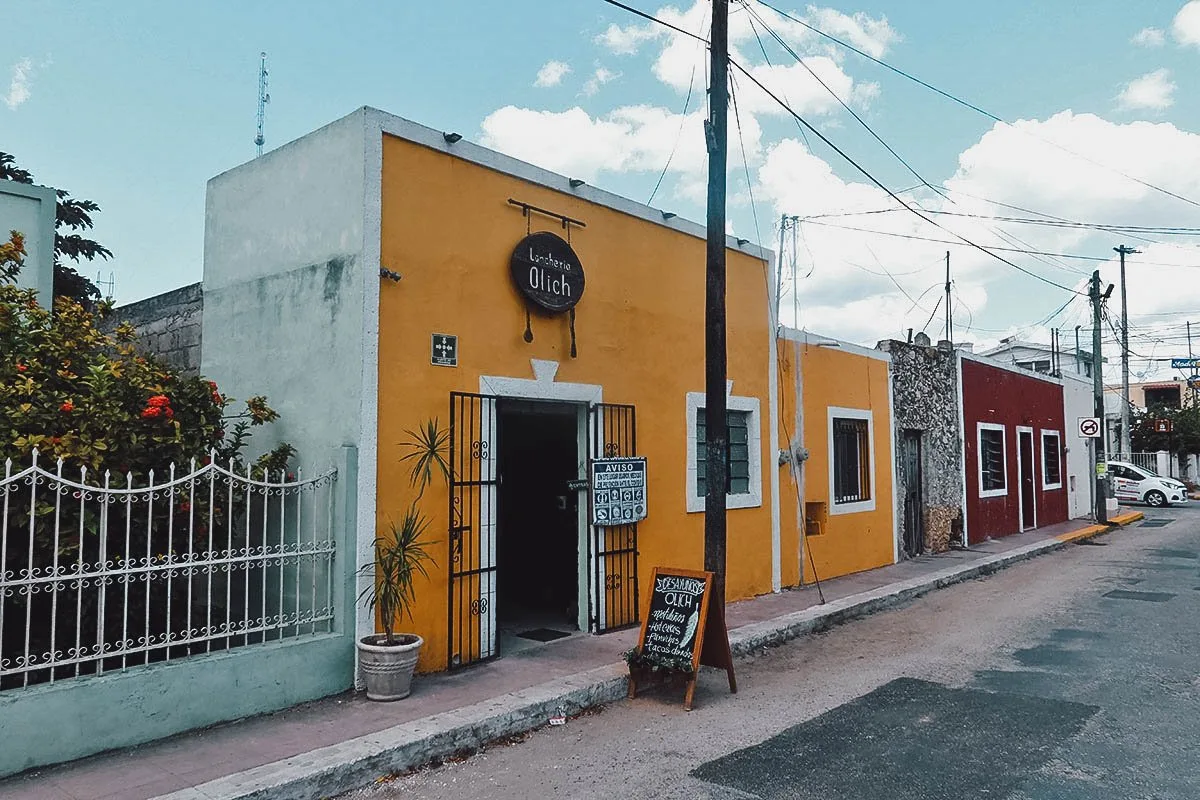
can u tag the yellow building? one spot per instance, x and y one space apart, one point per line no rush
838 396
376 275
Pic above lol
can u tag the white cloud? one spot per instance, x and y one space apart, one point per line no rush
1154 91
629 139
1149 37
872 36
601 76
551 74
19 88
625 41
1186 27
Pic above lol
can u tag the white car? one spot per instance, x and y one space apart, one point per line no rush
1140 485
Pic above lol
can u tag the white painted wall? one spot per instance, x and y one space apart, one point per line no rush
1077 402
30 210
284 287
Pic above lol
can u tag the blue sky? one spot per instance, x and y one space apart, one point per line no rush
137 104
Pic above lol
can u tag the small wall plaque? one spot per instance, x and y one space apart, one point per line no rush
444 350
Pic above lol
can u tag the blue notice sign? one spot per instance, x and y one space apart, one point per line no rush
1184 363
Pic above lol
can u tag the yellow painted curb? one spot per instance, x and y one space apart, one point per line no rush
1119 520
1082 533
1127 518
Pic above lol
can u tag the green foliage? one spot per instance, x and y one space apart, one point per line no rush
657 663
72 217
1183 439
427 449
400 556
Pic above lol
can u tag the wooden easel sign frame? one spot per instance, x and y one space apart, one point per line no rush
680 626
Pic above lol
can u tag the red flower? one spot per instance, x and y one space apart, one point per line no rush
216 398
158 401
168 413
213 386
291 476
149 412
67 407
185 506
21 367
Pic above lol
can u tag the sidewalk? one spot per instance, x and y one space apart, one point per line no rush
340 743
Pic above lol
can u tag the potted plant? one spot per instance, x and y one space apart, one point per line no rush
387 660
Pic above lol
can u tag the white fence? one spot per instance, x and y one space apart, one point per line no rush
98 573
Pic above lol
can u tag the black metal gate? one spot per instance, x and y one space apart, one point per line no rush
612 577
473 521
914 502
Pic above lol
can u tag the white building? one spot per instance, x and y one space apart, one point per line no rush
30 210
1041 357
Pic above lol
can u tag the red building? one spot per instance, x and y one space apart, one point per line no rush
1015 437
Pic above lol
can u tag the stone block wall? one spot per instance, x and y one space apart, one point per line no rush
168 325
925 398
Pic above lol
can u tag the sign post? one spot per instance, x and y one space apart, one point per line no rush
678 634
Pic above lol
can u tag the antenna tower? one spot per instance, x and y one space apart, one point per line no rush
263 99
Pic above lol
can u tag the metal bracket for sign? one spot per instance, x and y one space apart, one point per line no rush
526 208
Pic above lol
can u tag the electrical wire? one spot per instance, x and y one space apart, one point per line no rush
682 124
969 105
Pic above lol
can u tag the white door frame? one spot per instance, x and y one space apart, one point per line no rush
585 395
1023 429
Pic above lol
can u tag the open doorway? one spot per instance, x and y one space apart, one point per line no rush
537 551
1028 502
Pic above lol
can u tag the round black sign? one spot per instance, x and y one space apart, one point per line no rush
547 271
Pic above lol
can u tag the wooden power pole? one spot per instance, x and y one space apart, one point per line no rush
716 129
1101 478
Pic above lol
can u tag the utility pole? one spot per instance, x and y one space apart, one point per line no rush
1191 367
1126 447
949 317
1098 396
716 130
783 220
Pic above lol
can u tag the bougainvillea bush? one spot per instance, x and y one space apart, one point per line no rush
92 400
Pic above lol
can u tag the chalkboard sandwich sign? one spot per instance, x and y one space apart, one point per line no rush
679 634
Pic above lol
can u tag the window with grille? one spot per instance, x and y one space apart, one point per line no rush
737 457
1051 460
851 460
992 467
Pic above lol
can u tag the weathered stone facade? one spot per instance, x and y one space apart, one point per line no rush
925 399
168 325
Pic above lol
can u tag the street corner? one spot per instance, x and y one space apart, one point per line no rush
1127 518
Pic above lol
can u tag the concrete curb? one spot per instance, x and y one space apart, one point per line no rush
358 762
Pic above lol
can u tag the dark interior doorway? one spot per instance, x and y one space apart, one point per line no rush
538 535
1028 494
914 501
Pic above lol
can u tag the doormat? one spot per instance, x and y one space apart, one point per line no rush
543 635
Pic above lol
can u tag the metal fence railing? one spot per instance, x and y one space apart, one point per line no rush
106 572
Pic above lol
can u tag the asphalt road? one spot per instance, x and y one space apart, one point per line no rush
1074 675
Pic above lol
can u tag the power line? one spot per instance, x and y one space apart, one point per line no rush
1103 259
971 106
883 187
682 124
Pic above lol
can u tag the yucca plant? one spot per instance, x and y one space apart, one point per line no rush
400 556
426 448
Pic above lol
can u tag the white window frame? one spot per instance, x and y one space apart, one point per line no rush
1046 434
837 412
750 406
980 427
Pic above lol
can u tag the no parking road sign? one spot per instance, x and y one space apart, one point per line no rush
1089 427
